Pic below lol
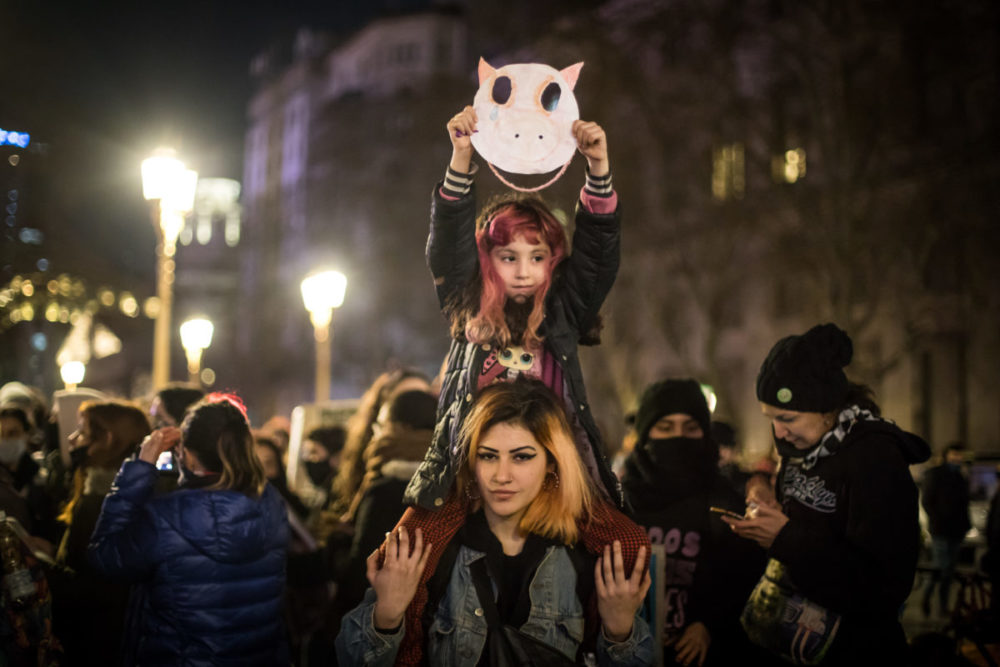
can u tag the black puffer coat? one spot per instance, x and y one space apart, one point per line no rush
581 283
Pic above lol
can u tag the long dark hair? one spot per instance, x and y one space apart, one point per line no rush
217 431
359 433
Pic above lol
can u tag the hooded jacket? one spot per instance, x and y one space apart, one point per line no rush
579 287
709 571
852 538
211 564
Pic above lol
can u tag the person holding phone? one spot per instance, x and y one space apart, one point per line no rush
842 531
209 558
673 484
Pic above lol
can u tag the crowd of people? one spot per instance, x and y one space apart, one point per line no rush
476 518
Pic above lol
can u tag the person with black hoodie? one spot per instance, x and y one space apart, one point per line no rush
843 535
671 479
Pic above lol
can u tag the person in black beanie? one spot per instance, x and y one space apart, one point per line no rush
671 479
842 534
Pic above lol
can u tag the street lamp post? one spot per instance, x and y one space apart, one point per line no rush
196 336
170 186
322 292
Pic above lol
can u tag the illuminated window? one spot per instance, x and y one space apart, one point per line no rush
790 166
728 175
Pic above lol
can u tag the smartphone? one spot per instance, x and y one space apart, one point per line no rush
725 512
165 461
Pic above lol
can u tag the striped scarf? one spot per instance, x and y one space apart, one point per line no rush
831 442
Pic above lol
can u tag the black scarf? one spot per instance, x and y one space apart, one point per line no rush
513 574
660 472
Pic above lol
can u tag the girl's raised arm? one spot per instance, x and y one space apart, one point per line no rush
460 129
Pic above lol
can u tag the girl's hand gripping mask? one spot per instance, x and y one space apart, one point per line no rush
525 114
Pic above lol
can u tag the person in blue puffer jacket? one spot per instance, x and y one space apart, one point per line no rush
208 558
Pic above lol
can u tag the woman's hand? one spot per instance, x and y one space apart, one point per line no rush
618 597
460 129
763 527
593 144
693 644
395 583
760 492
158 442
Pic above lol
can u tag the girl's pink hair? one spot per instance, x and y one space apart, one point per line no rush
531 219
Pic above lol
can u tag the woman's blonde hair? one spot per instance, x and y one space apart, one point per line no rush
217 431
564 500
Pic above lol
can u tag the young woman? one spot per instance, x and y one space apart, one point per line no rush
89 610
842 534
210 556
351 471
519 302
523 494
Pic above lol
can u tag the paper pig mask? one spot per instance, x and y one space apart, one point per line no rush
524 116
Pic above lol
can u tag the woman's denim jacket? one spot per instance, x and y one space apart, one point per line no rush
458 632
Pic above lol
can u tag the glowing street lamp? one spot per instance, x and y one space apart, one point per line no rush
322 292
171 187
72 374
196 336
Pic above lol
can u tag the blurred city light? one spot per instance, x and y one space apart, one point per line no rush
171 185
321 293
196 336
72 373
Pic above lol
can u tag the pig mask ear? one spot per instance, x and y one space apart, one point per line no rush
486 70
571 73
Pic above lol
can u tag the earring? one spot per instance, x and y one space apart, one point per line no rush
555 480
468 492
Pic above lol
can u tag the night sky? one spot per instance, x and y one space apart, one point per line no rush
103 83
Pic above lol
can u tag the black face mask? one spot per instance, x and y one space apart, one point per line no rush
686 465
319 472
78 457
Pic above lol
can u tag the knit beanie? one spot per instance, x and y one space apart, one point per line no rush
669 397
805 373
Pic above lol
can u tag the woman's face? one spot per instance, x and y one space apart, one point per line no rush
801 429
523 267
510 470
82 436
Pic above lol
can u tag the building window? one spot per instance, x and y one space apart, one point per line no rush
728 172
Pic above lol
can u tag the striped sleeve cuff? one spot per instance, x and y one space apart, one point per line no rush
599 186
456 184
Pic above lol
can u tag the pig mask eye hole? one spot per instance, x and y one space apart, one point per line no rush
550 97
501 89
